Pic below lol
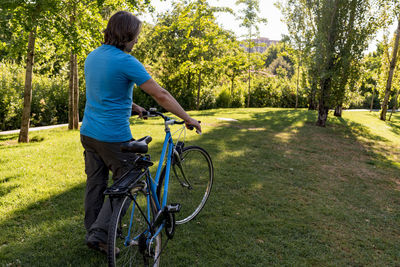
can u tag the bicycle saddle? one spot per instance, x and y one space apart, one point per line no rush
137 146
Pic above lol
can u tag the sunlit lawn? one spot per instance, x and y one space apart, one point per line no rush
286 193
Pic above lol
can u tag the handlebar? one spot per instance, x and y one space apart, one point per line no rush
154 113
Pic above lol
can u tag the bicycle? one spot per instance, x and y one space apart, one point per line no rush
140 209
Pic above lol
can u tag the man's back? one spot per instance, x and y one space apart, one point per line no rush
110 74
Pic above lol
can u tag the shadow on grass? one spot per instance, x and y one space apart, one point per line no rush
49 232
7 137
36 139
395 123
8 178
355 129
286 192
13 143
6 189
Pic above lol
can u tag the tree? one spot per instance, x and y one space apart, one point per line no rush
250 20
392 65
78 20
334 33
186 44
300 21
234 63
360 27
29 15
301 28
338 44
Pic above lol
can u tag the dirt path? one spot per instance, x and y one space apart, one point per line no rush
32 129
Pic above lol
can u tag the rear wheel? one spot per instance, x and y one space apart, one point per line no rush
190 183
128 232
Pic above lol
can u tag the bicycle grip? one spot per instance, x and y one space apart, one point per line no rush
191 127
144 113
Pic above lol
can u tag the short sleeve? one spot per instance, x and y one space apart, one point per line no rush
135 71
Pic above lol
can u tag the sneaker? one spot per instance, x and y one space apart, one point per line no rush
101 247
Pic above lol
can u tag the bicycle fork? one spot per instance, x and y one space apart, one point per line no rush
178 161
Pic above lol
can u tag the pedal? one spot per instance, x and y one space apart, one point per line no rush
158 218
174 207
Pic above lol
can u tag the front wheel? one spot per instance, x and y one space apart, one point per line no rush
128 229
191 180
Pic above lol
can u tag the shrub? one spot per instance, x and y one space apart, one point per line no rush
207 99
11 96
223 99
49 98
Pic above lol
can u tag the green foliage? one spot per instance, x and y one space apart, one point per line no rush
280 62
329 38
190 55
250 16
280 50
143 99
185 45
11 88
49 98
227 98
49 105
275 92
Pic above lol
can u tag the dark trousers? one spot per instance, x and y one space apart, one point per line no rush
100 159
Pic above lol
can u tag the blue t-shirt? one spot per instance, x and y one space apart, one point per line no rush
110 74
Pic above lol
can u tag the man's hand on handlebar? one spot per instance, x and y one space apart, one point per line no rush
136 109
192 123
143 113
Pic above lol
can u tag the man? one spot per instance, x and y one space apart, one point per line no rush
110 73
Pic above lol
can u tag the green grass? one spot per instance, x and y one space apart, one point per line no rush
286 193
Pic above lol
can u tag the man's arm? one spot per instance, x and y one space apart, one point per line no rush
138 109
167 101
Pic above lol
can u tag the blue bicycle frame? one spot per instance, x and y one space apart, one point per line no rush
167 150
168 146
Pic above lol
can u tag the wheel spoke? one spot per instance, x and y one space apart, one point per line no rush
123 220
191 185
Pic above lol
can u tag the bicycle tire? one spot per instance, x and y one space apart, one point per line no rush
129 254
199 172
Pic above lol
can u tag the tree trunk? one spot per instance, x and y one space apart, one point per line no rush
311 98
312 103
395 104
248 96
297 85
232 86
248 55
323 107
372 100
71 93
26 112
198 92
326 80
189 82
338 111
76 94
346 61
391 71
322 116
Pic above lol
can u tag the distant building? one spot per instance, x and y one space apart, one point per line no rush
264 41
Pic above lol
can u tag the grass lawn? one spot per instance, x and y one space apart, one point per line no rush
286 193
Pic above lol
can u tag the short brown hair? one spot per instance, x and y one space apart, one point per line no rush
122 28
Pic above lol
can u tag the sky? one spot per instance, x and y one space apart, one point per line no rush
274 29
